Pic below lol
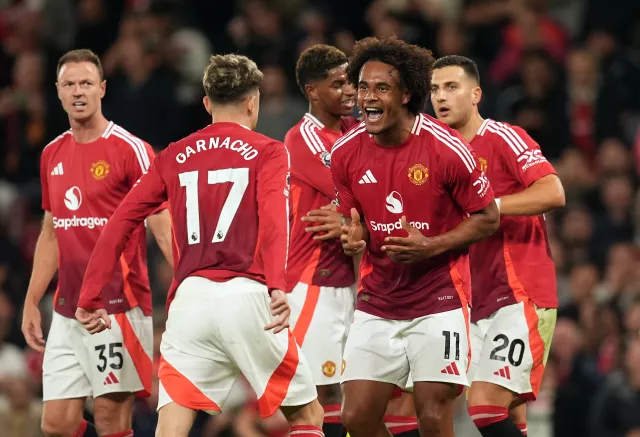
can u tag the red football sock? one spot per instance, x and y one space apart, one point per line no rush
522 427
400 424
306 431
81 429
332 413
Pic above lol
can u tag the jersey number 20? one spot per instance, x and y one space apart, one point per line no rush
239 177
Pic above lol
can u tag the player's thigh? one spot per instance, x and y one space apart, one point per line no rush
516 348
321 330
477 335
63 376
118 360
272 363
438 348
175 420
375 351
195 371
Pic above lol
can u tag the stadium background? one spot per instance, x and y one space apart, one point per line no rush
566 70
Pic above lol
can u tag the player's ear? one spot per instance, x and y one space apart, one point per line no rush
476 95
311 92
207 104
253 103
406 97
103 88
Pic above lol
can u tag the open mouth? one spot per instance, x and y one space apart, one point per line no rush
373 114
348 103
79 105
443 110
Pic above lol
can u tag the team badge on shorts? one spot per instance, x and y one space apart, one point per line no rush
483 164
329 369
418 174
99 170
344 364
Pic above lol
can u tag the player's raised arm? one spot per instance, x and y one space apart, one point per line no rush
525 161
142 200
273 211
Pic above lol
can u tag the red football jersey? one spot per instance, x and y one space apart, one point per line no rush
434 180
229 199
82 185
516 260
321 263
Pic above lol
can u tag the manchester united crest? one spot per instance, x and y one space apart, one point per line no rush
418 174
329 369
99 170
483 164
344 364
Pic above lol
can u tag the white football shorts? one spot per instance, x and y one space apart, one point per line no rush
78 364
215 332
434 348
320 321
510 347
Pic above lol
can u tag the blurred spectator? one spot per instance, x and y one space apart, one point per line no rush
20 412
12 362
582 285
582 94
279 110
614 158
616 406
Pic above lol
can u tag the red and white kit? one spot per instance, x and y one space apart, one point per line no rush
410 317
512 273
229 200
320 276
82 185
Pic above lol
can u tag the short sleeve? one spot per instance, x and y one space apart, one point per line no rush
44 181
523 157
468 185
310 159
345 198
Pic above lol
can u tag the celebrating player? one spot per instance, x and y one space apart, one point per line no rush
319 274
424 200
229 196
85 174
512 273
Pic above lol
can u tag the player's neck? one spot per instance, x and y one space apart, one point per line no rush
87 131
230 117
471 127
330 121
398 134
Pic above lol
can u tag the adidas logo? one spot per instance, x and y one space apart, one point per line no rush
368 178
110 379
451 369
504 372
57 170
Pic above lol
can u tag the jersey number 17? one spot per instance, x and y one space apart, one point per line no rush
239 177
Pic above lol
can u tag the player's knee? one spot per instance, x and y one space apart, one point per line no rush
55 426
113 414
430 419
489 394
357 418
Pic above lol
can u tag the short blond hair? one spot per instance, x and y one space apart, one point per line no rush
229 78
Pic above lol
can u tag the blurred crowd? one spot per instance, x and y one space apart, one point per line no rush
568 71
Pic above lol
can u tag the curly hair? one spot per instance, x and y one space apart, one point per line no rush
412 62
316 61
228 78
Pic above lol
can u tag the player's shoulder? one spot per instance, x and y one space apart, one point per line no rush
510 136
295 134
349 141
446 142
125 141
59 141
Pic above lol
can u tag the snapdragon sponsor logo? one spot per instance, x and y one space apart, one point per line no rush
79 222
390 227
73 201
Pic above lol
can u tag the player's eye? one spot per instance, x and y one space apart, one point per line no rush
452 87
362 87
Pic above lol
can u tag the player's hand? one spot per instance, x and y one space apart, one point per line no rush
330 219
280 310
94 321
32 327
412 248
352 237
